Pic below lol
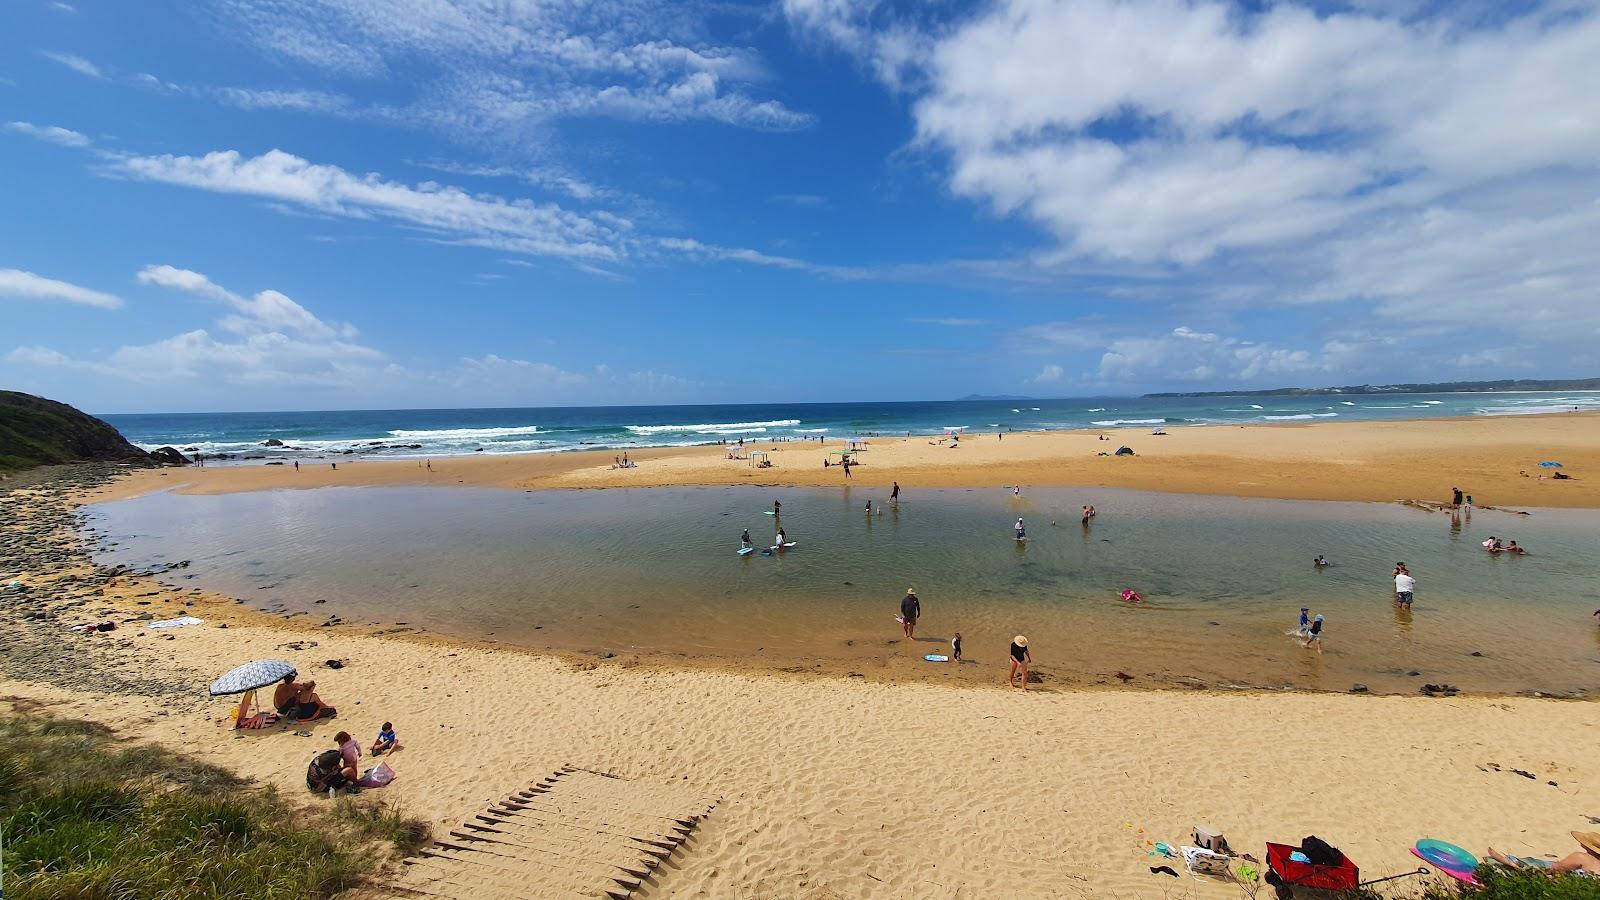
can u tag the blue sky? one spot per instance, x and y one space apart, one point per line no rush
297 204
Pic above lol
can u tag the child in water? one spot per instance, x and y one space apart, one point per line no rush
1314 635
1304 628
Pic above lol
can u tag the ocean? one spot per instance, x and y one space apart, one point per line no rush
417 433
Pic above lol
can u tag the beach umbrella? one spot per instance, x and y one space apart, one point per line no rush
250 676
1550 464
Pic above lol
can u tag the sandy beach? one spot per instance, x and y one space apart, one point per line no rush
1374 461
834 787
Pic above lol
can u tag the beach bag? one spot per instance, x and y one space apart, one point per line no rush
1320 852
1208 838
377 776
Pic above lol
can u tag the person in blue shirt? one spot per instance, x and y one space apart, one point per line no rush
386 739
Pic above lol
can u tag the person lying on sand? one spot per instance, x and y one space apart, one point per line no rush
295 700
1586 860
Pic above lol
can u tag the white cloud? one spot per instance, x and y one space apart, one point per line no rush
75 63
38 356
28 286
484 68
1429 163
67 8
480 219
267 311
952 322
1049 374
1185 354
296 100
804 201
54 134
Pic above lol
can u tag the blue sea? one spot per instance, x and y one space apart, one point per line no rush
446 432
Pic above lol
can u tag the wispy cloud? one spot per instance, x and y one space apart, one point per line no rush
498 67
74 62
952 322
539 229
18 284
54 134
804 201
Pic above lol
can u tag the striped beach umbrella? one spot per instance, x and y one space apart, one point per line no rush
250 676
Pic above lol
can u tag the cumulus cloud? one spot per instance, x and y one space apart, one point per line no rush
28 286
267 311
1050 374
1425 163
53 134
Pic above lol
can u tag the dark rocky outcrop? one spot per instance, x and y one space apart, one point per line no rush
36 432
272 442
170 456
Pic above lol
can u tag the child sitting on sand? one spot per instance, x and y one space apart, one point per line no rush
386 739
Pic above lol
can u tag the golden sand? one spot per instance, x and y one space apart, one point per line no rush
1379 461
842 787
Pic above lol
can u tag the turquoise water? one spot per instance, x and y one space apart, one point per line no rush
654 571
443 432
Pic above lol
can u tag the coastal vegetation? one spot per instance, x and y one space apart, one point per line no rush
35 431
86 815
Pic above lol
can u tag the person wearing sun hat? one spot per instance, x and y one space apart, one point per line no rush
1020 658
1586 861
910 612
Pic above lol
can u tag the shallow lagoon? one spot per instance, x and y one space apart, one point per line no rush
654 571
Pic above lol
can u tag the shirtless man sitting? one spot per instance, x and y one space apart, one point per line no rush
291 698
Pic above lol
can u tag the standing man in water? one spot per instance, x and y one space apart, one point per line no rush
894 493
1455 497
777 508
910 611
1022 533
744 539
1404 585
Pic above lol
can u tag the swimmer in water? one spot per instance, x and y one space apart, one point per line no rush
1022 533
1320 561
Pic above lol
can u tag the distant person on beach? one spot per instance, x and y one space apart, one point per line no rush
910 611
1314 634
293 699
847 467
1020 658
335 466
297 465
1022 533
955 647
894 492
1320 562
1469 503
1455 497
1404 585
349 748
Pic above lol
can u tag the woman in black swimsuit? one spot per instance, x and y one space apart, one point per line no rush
1020 658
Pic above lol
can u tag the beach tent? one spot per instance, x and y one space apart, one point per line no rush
845 454
1124 451
856 443
756 455
1549 464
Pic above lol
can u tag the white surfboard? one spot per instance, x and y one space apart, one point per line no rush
745 551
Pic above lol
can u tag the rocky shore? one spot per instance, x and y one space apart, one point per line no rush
49 584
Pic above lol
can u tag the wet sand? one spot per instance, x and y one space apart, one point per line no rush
830 787
1374 461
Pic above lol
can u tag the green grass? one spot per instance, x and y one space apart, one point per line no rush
1498 884
87 817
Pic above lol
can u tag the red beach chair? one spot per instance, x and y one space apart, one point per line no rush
1342 877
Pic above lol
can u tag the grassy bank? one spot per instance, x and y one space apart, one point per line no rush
85 815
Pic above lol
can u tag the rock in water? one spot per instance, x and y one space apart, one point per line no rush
170 456
36 432
272 442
